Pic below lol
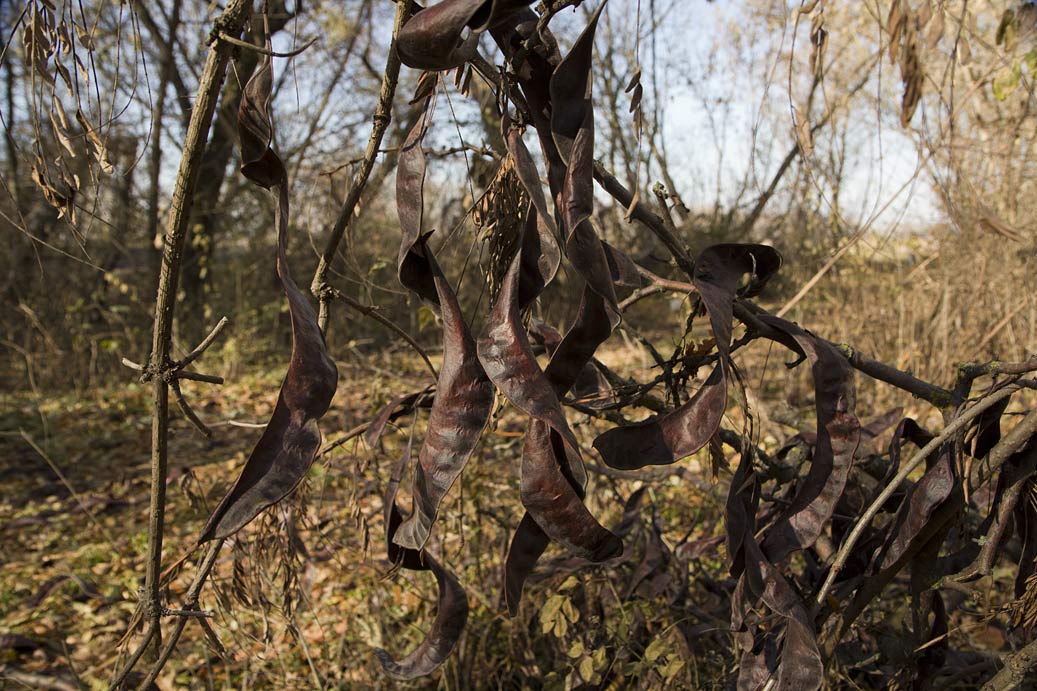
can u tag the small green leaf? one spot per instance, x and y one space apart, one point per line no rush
576 650
426 317
672 667
549 614
570 612
655 649
1006 82
586 669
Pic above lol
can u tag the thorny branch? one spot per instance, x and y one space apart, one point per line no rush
746 311
231 21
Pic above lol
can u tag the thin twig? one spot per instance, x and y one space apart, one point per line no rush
1005 321
389 324
820 273
351 434
948 432
188 412
265 51
649 218
198 376
173 373
382 117
204 345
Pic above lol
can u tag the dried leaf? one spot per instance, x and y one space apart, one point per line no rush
964 51
100 150
989 220
804 136
896 24
935 30
427 83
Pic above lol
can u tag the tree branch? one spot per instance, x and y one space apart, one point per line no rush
382 117
231 21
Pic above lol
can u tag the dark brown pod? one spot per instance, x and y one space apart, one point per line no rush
291 439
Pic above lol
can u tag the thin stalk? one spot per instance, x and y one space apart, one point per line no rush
382 117
231 21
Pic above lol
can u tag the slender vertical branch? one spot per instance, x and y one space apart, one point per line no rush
231 21
190 604
382 117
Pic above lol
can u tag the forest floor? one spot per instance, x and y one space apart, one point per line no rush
303 596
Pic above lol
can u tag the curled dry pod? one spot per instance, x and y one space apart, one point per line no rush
940 484
452 609
540 253
529 542
798 664
464 394
664 439
838 434
572 128
413 267
555 500
508 359
290 441
552 470
459 413
563 116
446 630
433 38
527 546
